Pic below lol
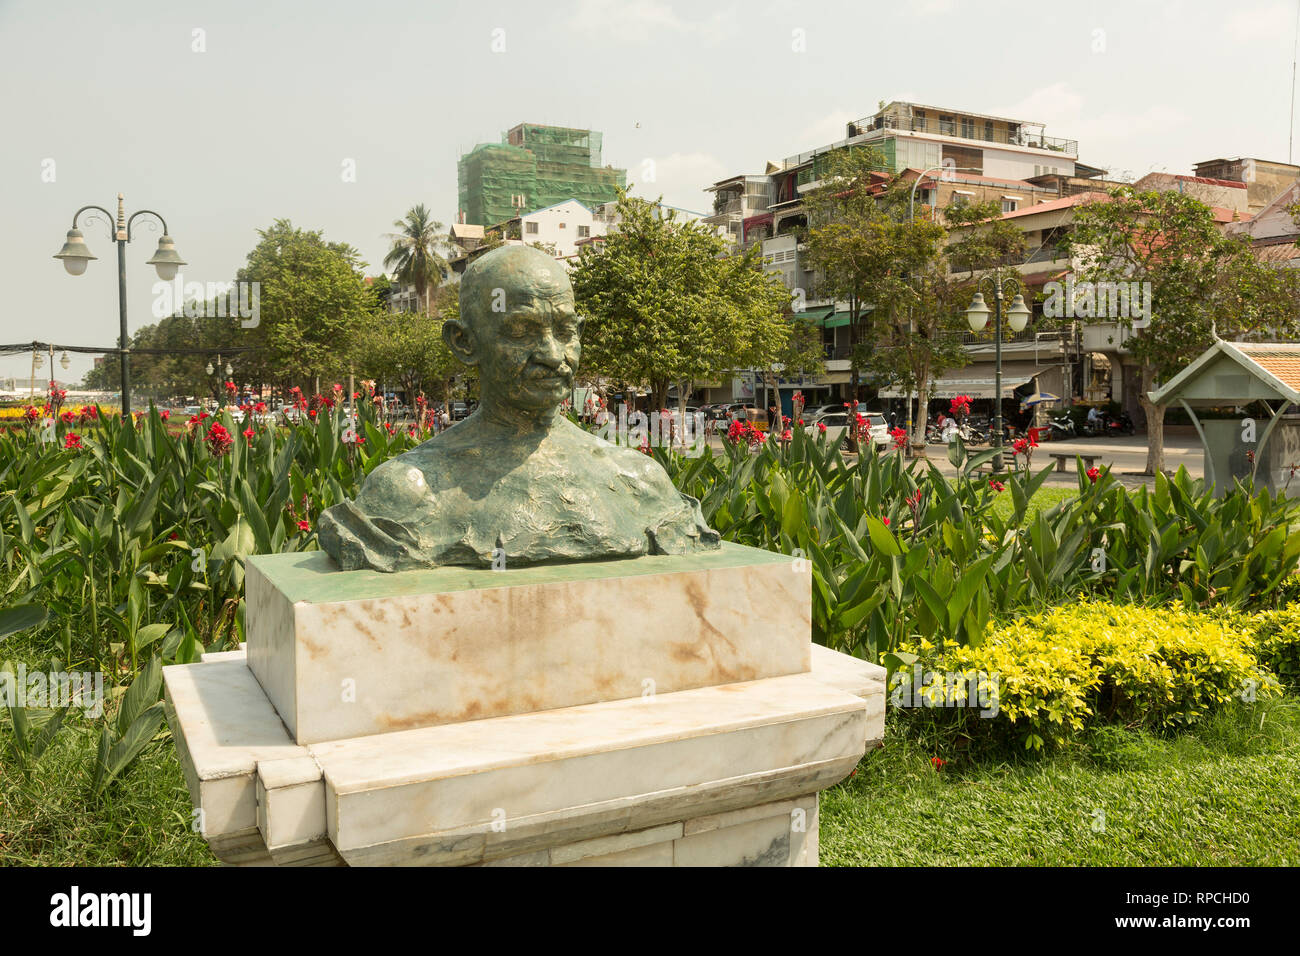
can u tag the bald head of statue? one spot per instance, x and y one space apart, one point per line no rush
518 326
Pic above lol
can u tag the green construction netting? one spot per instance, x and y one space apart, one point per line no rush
532 168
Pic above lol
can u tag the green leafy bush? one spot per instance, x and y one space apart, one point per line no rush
1277 641
1061 671
899 551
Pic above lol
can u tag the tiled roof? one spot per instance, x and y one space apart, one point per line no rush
1280 361
1277 253
1054 204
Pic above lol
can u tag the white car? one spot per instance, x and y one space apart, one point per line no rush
837 428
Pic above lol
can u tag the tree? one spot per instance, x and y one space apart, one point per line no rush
415 257
313 300
407 347
1201 284
665 305
850 243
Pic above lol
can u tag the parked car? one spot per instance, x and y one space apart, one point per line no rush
459 410
814 412
837 428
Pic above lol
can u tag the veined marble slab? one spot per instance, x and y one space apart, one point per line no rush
643 781
857 677
345 654
469 792
224 726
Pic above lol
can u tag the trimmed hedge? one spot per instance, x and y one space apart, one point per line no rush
1042 679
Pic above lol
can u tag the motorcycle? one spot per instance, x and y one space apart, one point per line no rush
1062 428
1123 425
953 429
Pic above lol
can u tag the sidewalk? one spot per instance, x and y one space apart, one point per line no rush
1125 455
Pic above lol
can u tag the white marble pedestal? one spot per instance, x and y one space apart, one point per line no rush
609 770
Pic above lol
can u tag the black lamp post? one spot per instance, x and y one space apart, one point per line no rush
75 255
1017 316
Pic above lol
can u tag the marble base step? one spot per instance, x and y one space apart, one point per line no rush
698 777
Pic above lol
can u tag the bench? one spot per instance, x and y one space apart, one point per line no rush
1062 456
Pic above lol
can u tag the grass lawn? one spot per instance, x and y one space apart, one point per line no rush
1043 499
143 820
1227 794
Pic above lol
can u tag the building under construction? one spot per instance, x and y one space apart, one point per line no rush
531 168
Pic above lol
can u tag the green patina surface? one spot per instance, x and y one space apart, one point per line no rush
312 576
516 480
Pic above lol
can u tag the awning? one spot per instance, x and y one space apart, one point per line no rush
842 317
816 316
977 381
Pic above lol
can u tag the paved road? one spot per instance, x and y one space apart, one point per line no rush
1126 456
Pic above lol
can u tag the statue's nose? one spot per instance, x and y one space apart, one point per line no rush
549 351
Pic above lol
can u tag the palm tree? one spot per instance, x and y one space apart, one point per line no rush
415 257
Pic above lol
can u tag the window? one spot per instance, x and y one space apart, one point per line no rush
530 228
1010 204
919 122
584 232
967 127
988 131
563 225
946 126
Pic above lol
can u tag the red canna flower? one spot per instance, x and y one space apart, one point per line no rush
304 525
822 427
165 414
218 439
1094 473
72 440
899 435
997 485
938 762
248 435
886 521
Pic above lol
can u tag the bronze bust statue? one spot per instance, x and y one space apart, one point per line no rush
515 482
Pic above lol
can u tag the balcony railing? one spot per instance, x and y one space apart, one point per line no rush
976 132
986 338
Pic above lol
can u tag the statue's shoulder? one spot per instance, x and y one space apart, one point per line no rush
625 461
402 482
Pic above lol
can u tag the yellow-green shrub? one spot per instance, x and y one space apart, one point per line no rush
1064 668
1277 642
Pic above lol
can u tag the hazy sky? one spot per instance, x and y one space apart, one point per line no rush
259 124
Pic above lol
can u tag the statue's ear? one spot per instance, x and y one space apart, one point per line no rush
459 340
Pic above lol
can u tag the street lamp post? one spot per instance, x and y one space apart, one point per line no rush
76 254
1017 316
217 370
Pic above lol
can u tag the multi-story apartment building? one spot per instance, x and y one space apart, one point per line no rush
953 156
950 156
